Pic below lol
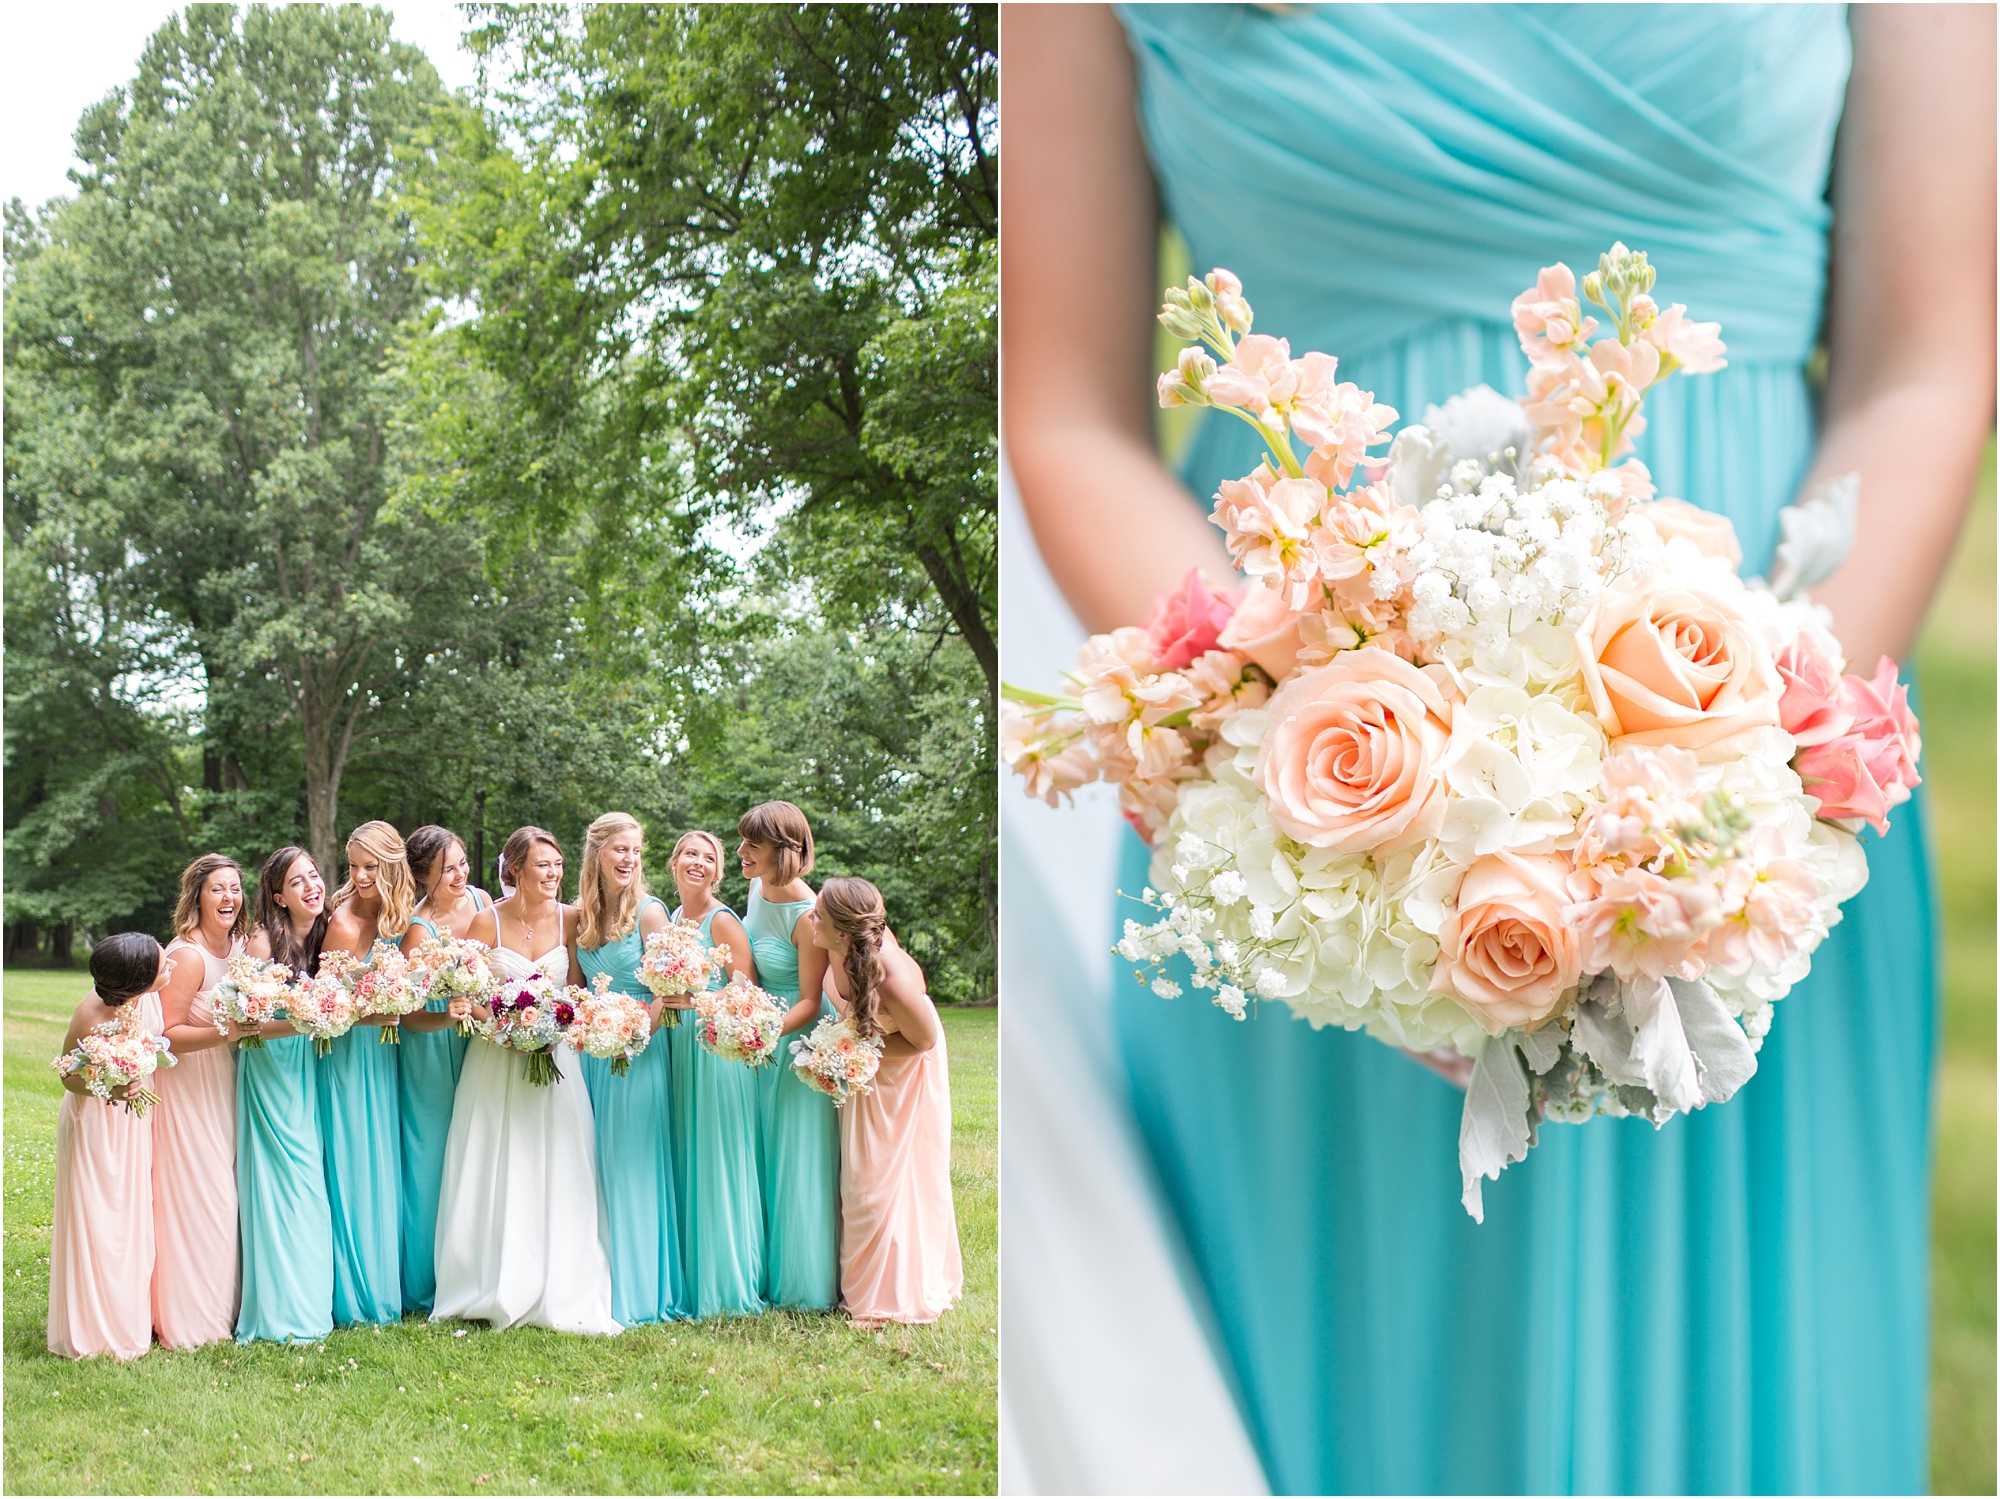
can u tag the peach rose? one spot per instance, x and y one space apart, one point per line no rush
1712 535
1265 630
1676 666
1350 753
1505 952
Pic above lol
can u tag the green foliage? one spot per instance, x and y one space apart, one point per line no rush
782 1403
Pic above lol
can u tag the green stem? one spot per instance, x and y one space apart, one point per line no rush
1281 451
1032 698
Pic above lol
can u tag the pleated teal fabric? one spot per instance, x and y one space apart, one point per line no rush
427 1068
1737 1302
635 1152
287 1228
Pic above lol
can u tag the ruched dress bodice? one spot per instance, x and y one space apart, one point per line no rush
1737 1301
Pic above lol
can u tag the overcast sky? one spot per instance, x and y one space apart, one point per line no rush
58 59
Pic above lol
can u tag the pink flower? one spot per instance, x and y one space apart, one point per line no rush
1768 906
1695 347
1811 708
1863 772
1188 622
1548 318
1349 757
1266 629
1505 952
1227 683
1676 666
1712 534
1644 925
1260 377
1269 532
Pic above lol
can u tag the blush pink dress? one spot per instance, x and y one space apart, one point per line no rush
899 1256
101 1240
196 1277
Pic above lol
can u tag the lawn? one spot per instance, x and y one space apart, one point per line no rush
779 1403
1955 674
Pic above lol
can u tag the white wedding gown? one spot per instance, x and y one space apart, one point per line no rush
520 1231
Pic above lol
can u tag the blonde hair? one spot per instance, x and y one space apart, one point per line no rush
782 828
606 914
393 880
853 908
713 842
187 910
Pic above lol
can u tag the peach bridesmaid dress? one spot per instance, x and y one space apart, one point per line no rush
196 1277
899 1257
101 1243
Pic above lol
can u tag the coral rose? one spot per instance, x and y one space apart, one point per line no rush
1676 666
1265 629
1871 767
1712 535
1810 709
1349 758
1187 623
1505 953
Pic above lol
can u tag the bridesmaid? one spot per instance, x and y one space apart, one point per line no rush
195 1275
432 1054
717 1174
899 1259
101 1243
287 1227
359 1120
801 1128
634 1113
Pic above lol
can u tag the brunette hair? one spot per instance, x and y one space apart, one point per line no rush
519 846
393 882
782 827
124 966
423 849
300 954
187 911
853 907
607 915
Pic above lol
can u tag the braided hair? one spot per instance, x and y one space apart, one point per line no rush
853 907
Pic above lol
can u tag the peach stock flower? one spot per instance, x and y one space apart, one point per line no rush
1350 753
1262 376
1505 952
1548 318
1676 666
1696 347
1712 535
1644 925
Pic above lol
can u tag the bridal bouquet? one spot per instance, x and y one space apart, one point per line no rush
323 1006
836 1060
739 1022
676 963
118 1054
1497 754
391 985
456 968
610 1025
530 1016
253 994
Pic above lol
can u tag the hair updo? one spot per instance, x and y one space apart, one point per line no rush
853 908
124 966
783 828
519 848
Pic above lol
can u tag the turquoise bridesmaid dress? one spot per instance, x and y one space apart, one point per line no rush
1737 1302
635 1144
361 1134
718 1177
427 1067
286 1228
801 1136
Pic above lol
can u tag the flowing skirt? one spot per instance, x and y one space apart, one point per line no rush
717 1177
361 1133
635 1166
101 1236
427 1071
520 1238
196 1281
287 1228
899 1256
801 1190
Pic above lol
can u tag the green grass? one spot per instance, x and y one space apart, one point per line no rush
1955 671
779 1403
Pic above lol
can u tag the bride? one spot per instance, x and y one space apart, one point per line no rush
520 1236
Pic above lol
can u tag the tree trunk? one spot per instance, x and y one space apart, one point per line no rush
963 606
322 794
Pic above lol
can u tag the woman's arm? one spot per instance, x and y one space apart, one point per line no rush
653 918
1079 251
906 1000
812 974
177 1002
1909 398
730 934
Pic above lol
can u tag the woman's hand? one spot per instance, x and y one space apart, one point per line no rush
460 1007
1446 1063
